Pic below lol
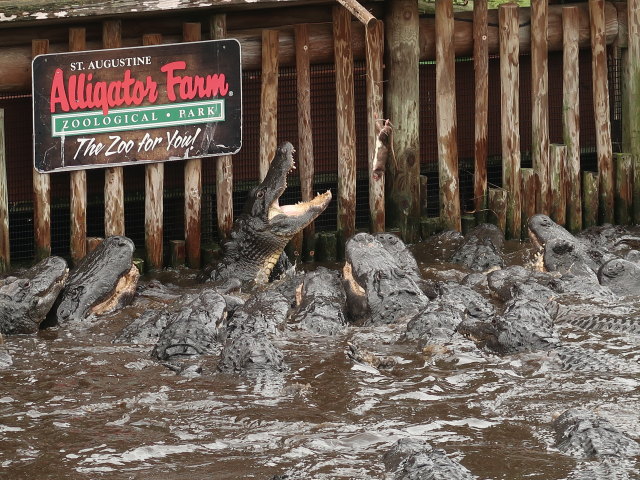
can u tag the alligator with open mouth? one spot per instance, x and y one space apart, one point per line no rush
265 227
26 300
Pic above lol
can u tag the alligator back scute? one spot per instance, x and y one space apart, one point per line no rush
250 352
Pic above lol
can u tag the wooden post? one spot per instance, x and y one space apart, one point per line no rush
92 243
41 190
305 132
633 97
601 109
510 119
153 197
571 115
481 115
346 124
78 178
374 40
590 187
269 100
358 11
497 202
191 32
624 187
401 100
540 102
446 122
224 163
177 252
529 188
5 252
113 176
558 157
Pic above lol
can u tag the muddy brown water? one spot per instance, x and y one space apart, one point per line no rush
76 406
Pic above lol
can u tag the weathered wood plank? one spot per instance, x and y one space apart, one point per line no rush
446 122
571 116
345 122
529 188
5 252
402 90
113 176
540 102
358 11
632 100
374 83
269 100
93 243
624 187
306 168
41 191
481 112
557 183
224 163
78 178
510 117
601 109
497 202
192 32
15 61
590 187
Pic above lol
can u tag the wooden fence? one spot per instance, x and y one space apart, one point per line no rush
555 185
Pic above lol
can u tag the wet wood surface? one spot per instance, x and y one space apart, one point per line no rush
41 191
590 187
374 90
623 163
497 203
540 102
481 112
113 176
633 96
557 187
5 253
510 116
600 86
571 116
345 123
529 188
192 32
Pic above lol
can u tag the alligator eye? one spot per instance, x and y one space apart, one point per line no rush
260 194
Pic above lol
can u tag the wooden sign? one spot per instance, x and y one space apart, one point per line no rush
133 105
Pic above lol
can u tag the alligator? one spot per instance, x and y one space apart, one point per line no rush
621 276
26 301
249 352
481 249
264 228
414 459
384 288
104 282
583 434
322 301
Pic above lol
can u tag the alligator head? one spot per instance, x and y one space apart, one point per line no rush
262 231
25 301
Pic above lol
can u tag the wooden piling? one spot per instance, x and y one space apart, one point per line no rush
374 40
113 176
510 118
540 102
78 178
601 109
268 100
5 252
41 190
590 187
92 243
624 187
345 123
402 91
497 203
446 123
305 132
192 32
557 190
424 204
571 115
178 252
529 189
632 99
357 10
481 113
153 197
224 163
326 247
